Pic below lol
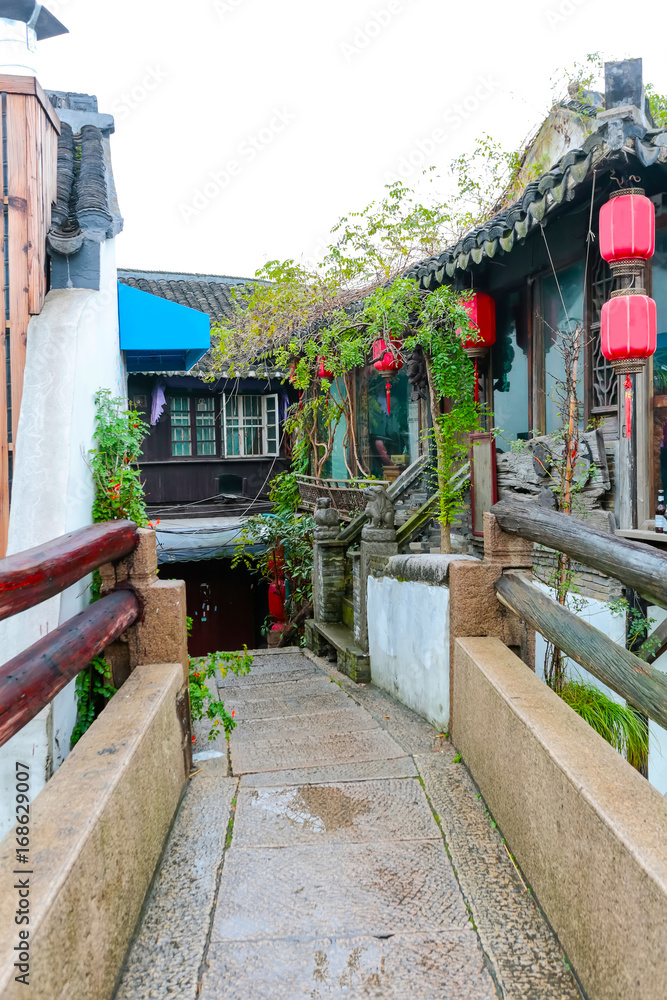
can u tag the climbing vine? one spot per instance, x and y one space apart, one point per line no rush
118 436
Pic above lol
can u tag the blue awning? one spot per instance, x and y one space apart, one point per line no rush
158 335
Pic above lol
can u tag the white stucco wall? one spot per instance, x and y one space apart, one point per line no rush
408 634
72 351
597 613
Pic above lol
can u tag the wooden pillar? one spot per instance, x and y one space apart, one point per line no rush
29 131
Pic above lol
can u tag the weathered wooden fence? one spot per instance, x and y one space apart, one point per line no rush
635 564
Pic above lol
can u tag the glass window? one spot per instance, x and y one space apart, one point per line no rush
251 425
205 416
181 432
561 304
511 412
389 432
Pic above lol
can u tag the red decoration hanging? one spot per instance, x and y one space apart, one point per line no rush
323 371
627 226
481 309
628 406
387 363
629 328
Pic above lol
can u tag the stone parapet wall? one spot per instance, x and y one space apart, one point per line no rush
586 829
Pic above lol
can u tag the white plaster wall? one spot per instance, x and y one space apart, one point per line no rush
72 351
408 635
597 613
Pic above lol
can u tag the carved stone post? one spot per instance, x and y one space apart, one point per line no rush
378 543
328 564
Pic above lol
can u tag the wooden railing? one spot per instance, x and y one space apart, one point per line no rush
635 564
32 679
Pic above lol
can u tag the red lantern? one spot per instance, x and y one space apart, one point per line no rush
481 309
387 363
482 312
629 329
324 372
627 226
629 333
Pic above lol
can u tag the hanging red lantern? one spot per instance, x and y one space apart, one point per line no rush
387 363
629 333
629 329
627 228
481 309
323 371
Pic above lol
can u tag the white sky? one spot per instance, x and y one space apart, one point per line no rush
313 103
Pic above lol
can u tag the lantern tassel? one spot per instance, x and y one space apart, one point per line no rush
628 406
476 383
388 398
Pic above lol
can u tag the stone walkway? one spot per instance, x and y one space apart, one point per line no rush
346 854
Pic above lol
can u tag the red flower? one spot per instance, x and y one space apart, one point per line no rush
194 739
233 712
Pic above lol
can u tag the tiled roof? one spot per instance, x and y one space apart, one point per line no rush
542 199
85 201
208 293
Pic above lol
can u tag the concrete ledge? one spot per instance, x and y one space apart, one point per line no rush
97 832
430 569
588 831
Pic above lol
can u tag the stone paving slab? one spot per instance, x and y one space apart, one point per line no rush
400 767
348 719
313 751
413 733
299 672
338 889
284 707
445 966
349 812
524 954
314 684
166 956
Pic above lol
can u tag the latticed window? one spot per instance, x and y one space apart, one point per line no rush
251 425
604 381
181 430
205 418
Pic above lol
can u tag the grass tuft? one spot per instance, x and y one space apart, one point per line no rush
617 724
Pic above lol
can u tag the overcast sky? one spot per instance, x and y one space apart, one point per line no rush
245 128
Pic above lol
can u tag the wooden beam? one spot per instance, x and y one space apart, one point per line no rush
655 645
633 679
30 87
31 577
642 567
33 678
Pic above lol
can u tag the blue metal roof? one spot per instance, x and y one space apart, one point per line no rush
157 334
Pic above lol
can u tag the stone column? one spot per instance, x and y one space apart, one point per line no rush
328 564
378 544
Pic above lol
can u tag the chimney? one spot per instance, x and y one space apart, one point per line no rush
624 88
22 24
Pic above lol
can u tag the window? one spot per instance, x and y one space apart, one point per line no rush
251 425
560 307
510 373
205 418
181 432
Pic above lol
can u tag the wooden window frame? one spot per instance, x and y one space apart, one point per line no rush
195 456
265 453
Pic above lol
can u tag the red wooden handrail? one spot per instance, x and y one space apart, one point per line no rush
33 678
30 577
